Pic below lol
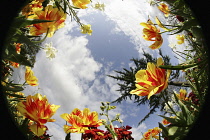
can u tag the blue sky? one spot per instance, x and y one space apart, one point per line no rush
76 77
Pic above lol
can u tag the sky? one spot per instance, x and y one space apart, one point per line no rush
76 77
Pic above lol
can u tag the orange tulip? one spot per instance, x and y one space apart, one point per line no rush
32 7
30 78
14 64
54 14
80 120
182 95
18 48
151 33
165 122
152 80
151 133
164 8
37 109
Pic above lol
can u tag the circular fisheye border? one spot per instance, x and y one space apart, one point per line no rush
9 10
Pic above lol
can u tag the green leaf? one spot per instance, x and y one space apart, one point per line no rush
21 38
177 133
75 7
14 89
19 59
15 95
20 22
187 25
164 130
172 130
178 67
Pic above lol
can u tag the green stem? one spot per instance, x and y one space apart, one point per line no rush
177 67
169 30
112 127
74 14
24 83
169 25
183 84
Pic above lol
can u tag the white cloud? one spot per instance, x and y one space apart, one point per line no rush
137 131
128 15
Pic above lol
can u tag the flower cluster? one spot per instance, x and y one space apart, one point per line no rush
97 134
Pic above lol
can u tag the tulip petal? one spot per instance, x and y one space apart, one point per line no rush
38 130
158 42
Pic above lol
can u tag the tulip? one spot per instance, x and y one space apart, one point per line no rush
152 80
37 109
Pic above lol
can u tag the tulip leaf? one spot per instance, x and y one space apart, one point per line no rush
177 133
178 67
187 25
14 89
164 130
21 38
18 59
15 95
75 7
20 22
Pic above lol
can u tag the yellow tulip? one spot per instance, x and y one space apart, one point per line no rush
152 80
151 133
151 33
164 8
81 120
37 109
81 3
182 95
31 8
56 16
30 78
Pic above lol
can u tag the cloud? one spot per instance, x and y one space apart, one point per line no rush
137 131
127 15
